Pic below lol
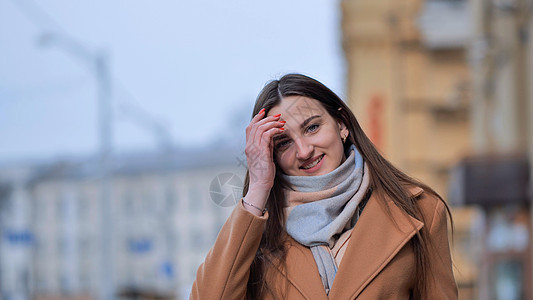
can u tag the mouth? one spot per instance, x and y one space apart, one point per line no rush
313 163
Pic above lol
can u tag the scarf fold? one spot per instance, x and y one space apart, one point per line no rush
320 208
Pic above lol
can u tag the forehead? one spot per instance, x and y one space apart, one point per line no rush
298 108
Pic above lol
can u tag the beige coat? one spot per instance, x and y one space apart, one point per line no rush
378 264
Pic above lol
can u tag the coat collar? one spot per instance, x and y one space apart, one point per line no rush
375 240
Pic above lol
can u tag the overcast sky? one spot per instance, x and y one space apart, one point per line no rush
195 67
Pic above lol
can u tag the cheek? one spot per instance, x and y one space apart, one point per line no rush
335 140
283 160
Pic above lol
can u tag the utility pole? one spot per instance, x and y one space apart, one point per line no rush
104 95
98 63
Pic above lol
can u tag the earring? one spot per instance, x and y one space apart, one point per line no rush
344 138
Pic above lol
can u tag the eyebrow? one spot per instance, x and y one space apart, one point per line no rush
308 120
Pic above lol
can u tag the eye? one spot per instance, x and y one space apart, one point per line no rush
281 145
312 128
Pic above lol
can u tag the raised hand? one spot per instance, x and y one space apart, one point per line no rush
259 155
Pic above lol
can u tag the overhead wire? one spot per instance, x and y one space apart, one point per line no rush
37 15
131 108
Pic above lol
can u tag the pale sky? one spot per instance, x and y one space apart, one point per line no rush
194 66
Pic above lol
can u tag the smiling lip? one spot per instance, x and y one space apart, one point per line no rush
315 167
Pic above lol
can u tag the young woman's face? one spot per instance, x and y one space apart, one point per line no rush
311 144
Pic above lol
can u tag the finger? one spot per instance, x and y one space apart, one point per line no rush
256 118
260 131
255 146
253 127
266 138
267 126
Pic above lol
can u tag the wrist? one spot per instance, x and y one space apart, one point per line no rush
255 201
258 211
257 195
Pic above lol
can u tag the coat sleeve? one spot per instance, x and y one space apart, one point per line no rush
225 271
442 285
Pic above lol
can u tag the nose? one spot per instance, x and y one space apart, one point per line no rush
304 150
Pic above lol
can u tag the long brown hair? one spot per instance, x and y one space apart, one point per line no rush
386 181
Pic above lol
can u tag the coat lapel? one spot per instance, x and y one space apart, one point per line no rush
302 271
375 240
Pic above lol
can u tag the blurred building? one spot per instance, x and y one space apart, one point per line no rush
16 236
408 81
409 85
496 175
166 212
443 88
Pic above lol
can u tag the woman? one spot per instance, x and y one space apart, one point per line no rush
324 215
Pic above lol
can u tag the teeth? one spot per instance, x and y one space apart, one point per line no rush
313 163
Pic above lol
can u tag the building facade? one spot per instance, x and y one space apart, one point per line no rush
409 85
443 88
496 176
166 213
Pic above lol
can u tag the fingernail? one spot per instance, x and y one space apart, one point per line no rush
283 122
277 115
282 128
261 111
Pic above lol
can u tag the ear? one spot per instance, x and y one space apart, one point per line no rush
343 129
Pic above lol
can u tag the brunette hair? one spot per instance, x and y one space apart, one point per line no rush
385 181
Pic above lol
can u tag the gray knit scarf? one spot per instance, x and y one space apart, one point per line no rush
320 208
